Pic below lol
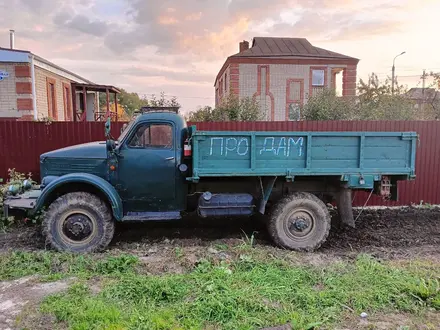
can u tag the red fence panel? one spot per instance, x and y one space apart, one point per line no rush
21 144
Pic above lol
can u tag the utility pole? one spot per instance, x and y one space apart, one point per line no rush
393 71
423 89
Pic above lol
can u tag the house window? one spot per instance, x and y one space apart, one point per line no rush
51 98
67 98
294 112
294 98
226 81
318 78
81 101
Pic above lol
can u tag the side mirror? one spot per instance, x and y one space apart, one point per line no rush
111 145
124 127
108 127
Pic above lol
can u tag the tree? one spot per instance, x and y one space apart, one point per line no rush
231 108
122 114
434 100
130 102
162 101
326 105
201 114
376 101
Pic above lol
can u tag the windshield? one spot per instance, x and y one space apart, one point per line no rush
126 130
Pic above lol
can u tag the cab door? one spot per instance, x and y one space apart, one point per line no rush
147 168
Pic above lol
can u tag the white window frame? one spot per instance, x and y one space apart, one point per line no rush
318 81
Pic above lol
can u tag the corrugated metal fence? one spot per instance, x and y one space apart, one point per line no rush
21 144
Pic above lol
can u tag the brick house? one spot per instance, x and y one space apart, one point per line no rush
282 73
422 96
33 88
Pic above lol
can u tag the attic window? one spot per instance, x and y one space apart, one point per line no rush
318 78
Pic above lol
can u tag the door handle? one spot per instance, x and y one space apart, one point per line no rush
169 158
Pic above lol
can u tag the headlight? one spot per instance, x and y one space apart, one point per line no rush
46 180
27 184
14 189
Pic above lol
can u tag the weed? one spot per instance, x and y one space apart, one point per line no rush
179 252
427 291
56 265
248 242
245 294
221 247
116 265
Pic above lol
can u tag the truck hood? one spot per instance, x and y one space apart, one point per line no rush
83 158
92 150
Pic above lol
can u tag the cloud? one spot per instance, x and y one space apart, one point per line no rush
37 5
172 75
337 25
152 45
82 23
257 10
171 26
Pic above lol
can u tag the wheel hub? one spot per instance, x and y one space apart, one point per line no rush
77 227
299 225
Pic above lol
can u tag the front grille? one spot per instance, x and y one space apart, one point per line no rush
58 167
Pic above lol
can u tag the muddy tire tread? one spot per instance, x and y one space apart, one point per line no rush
301 198
80 199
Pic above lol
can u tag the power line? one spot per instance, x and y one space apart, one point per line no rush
405 71
179 97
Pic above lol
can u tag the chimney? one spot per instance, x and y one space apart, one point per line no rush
244 45
12 39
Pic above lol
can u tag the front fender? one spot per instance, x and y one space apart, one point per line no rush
106 188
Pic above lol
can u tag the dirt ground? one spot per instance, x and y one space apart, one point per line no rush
19 294
392 234
386 233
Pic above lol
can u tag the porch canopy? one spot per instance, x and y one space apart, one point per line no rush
81 114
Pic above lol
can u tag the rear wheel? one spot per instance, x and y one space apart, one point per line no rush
78 222
300 222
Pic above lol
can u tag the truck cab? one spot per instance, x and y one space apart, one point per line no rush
145 165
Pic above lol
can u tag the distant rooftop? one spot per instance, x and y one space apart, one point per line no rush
423 94
288 48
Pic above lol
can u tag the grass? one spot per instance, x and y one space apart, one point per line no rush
250 291
59 265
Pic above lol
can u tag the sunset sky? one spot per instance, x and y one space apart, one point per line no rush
178 46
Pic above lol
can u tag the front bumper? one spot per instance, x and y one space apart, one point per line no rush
25 201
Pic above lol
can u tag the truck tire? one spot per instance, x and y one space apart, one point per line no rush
300 222
78 222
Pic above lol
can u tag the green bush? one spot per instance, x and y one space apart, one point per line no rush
231 108
15 178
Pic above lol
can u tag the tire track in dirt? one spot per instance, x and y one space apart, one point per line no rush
392 231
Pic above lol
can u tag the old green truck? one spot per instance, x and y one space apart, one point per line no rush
161 169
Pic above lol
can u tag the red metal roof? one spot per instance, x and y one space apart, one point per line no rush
274 48
288 48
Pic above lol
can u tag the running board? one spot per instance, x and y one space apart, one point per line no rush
151 216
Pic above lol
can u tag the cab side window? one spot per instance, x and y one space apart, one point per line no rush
153 136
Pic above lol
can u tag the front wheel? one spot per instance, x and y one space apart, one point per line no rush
300 222
78 222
